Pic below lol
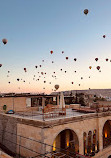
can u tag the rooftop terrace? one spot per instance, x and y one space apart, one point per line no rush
38 115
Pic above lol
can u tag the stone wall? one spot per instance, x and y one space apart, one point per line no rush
13 103
46 131
8 130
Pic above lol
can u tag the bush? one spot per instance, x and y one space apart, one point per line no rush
4 107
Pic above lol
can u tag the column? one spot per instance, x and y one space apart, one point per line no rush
58 100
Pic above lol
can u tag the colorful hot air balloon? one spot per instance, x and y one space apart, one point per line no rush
44 81
90 67
81 78
25 69
51 51
104 36
96 59
72 82
36 67
40 65
86 11
56 86
107 59
18 79
98 67
65 71
75 59
62 52
66 58
0 65
4 41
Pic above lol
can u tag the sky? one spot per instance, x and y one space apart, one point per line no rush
35 27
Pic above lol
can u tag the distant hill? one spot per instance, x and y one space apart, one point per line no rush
98 92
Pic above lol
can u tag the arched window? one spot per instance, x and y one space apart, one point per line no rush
107 134
94 146
89 147
66 141
85 143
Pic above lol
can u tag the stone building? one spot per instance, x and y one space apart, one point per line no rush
55 134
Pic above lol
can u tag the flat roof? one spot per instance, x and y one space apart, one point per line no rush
27 95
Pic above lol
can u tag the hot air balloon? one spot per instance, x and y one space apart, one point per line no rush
86 11
8 71
9 82
79 84
44 81
61 69
75 71
90 67
51 51
81 78
25 69
42 73
89 76
96 59
65 71
52 61
72 82
62 52
45 73
54 72
40 65
0 65
107 59
98 67
4 41
104 36
66 58
56 86
36 67
18 79
75 59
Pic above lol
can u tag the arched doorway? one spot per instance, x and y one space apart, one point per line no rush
107 134
66 141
